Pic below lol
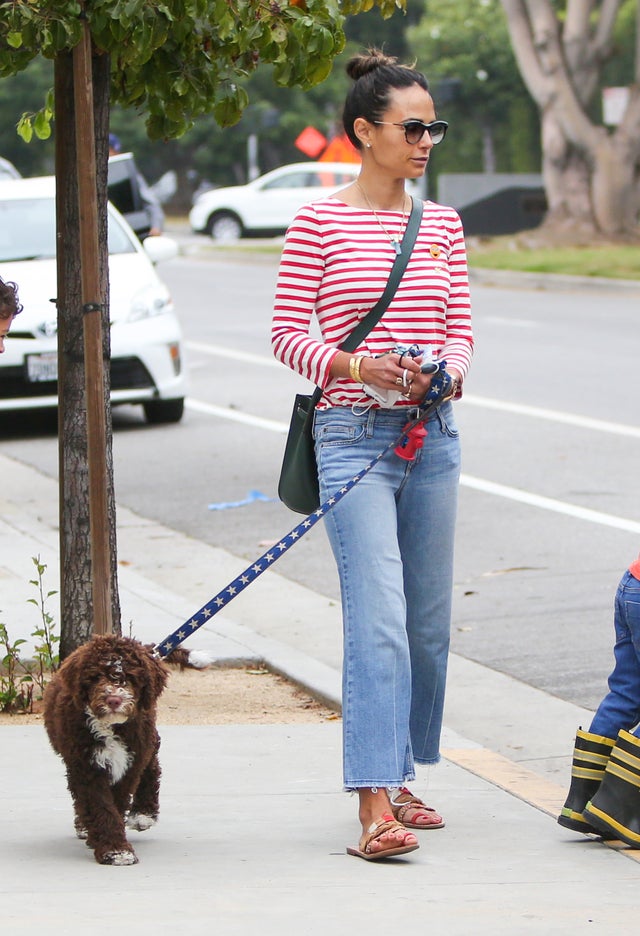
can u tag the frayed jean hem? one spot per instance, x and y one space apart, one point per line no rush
373 785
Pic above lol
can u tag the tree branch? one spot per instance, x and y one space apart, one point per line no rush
521 32
534 30
605 27
586 48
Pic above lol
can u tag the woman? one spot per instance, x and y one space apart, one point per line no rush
392 535
9 308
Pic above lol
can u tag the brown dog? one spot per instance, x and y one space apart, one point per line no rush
100 715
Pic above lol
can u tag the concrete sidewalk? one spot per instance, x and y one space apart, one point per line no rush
254 825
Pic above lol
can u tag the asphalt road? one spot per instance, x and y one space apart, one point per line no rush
549 504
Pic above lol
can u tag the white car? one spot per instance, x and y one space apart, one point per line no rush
147 364
267 206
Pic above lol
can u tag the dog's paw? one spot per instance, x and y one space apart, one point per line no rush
118 858
81 831
140 822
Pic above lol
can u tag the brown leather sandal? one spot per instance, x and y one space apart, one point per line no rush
375 830
400 809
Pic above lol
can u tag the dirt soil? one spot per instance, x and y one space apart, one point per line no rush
223 696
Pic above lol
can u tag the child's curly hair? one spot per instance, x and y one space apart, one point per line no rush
9 302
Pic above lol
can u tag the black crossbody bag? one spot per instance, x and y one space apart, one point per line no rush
298 485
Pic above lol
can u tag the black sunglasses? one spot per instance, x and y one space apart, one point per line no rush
414 130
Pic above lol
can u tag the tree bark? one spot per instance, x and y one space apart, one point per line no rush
76 602
566 180
591 174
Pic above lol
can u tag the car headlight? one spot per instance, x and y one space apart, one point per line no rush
148 302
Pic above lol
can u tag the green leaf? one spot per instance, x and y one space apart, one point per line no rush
228 110
25 129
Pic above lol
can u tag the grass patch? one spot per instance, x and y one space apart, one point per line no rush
613 261
520 252
268 248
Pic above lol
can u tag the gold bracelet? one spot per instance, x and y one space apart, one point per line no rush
354 368
453 389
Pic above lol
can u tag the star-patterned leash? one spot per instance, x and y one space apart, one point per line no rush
405 446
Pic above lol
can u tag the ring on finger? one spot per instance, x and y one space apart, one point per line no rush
405 382
400 382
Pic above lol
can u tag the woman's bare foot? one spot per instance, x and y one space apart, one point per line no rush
412 812
375 808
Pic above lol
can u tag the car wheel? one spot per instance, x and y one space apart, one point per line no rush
164 411
225 227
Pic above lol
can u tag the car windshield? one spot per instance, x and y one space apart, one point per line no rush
28 230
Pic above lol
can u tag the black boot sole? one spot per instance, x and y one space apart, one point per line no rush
577 825
608 828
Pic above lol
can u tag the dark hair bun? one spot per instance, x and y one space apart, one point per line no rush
366 62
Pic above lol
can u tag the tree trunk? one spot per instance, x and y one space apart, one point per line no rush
76 601
102 110
613 189
488 149
566 181
588 193
591 174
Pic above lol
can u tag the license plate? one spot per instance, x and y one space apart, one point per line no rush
42 367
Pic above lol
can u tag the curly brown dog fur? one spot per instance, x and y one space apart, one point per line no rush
100 715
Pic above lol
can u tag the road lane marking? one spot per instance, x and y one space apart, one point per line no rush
520 409
224 412
477 484
550 503
569 419
245 356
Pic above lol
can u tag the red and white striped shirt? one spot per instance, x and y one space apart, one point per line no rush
336 262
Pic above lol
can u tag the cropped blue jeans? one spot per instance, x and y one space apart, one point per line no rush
392 537
620 708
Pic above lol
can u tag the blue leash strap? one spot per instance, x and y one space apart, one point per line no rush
437 393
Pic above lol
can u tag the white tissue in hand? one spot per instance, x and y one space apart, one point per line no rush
385 398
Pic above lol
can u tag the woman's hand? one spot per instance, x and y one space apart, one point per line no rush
396 372
390 371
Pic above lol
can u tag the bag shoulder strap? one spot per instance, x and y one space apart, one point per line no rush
372 317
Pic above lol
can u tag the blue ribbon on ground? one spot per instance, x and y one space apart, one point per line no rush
251 497
437 393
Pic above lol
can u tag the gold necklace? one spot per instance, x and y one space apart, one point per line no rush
394 241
